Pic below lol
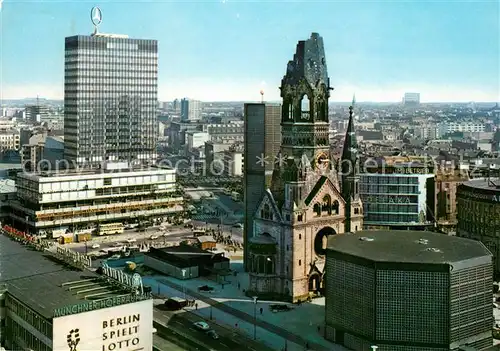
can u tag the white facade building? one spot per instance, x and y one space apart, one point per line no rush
233 163
190 110
48 306
48 201
452 127
411 98
428 131
232 132
196 139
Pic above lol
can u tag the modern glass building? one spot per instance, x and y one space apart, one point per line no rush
398 196
110 99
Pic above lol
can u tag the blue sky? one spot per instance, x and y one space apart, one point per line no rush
230 50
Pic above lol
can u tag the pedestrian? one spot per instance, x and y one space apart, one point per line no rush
196 306
307 346
239 286
261 310
319 329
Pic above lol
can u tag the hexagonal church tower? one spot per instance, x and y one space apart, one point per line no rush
305 203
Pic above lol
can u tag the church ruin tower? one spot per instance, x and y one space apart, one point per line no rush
305 151
304 206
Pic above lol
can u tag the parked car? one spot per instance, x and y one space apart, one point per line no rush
213 334
201 326
96 246
154 237
132 240
205 288
280 308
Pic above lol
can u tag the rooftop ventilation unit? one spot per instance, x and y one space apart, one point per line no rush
433 249
364 238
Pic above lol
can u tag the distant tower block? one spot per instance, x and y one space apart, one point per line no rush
262 96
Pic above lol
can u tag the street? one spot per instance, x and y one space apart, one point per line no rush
228 340
169 235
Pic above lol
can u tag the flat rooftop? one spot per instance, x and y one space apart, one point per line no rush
45 284
407 246
109 172
492 185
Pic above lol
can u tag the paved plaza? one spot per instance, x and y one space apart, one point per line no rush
303 326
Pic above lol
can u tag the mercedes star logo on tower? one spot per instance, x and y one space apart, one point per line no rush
96 16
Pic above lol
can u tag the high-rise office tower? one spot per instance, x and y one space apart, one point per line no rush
190 110
262 144
110 99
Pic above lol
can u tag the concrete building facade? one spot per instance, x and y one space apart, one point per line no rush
478 214
262 142
70 307
110 99
408 291
190 110
398 193
47 201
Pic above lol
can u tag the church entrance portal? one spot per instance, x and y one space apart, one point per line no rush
321 240
314 282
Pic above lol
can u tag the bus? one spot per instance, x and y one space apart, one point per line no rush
110 228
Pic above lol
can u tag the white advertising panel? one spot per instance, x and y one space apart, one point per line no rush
122 328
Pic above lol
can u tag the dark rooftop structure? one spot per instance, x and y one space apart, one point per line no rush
184 256
407 247
42 282
484 185
308 63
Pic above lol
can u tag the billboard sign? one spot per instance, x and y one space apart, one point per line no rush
126 327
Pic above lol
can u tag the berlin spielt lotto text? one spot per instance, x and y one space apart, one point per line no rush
192 167
121 332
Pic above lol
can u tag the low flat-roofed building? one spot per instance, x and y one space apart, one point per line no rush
45 303
76 200
408 290
206 242
185 262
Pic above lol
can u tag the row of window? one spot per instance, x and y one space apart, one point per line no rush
375 179
391 218
17 335
110 53
372 208
389 189
35 320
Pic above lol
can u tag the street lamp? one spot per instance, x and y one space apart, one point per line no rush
183 283
255 317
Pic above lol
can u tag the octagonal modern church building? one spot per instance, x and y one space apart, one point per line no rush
307 202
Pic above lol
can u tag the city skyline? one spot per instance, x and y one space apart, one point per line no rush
377 50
